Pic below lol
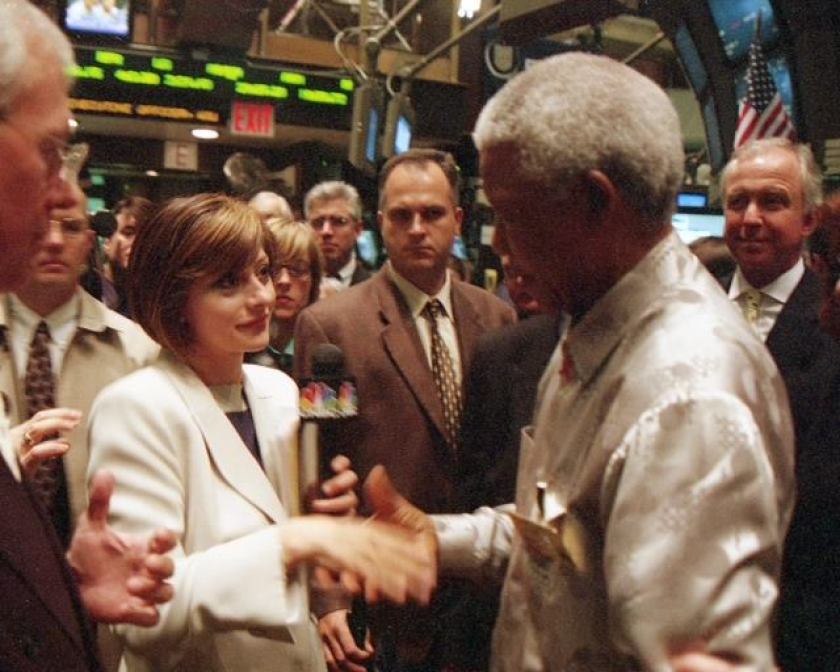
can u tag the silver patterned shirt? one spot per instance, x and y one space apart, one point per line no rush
654 490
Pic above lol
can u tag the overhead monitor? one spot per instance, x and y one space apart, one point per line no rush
109 19
735 21
399 126
366 126
695 70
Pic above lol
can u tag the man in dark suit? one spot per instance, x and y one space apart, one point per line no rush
334 210
501 389
43 624
387 337
771 188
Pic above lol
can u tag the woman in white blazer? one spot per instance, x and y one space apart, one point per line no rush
204 445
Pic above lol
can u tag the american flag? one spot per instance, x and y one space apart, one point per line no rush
761 114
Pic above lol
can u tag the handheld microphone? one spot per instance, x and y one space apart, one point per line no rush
328 396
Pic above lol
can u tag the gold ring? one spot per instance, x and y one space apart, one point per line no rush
28 441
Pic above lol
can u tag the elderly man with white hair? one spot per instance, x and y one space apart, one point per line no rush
43 623
656 485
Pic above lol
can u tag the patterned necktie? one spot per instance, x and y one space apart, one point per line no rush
38 388
443 372
751 306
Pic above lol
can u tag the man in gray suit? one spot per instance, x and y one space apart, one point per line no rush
388 340
334 210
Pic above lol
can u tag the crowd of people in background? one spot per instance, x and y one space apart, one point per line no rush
629 461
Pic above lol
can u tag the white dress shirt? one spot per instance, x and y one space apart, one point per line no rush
24 321
417 300
345 273
774 296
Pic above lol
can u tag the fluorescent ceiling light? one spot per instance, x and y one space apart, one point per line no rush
205 133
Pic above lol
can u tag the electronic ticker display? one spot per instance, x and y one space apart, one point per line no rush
176 87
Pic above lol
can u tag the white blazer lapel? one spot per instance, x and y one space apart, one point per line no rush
231 456
277 427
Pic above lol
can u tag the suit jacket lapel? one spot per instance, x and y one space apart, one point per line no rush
233 460
279 458
469 325
401 342
798 317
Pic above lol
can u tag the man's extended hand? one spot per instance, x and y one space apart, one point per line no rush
121 579
390 506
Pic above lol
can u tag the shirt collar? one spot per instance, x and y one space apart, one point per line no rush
417 299
346 271
29 319
601 330
780 289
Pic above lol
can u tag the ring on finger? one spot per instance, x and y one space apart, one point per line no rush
28 439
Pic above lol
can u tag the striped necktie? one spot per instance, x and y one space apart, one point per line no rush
39 393
443 371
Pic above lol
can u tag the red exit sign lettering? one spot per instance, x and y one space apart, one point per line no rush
252 119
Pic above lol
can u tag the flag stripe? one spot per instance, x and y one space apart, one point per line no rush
762 113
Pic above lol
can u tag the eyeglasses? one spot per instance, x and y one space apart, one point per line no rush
296 271
54 151
335 222
70 227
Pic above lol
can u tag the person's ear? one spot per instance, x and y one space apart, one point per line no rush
809 224
600 193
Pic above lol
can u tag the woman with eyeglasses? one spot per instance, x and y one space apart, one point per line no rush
297 284
205 446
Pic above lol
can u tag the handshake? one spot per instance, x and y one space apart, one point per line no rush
391 556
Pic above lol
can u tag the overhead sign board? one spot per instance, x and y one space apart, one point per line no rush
174 86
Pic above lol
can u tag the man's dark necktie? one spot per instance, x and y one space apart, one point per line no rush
48 482
443 372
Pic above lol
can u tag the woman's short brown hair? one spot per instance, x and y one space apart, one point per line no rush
297 241
188 239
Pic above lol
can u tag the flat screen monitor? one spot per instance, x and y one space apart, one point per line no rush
692 225
366 126
97 18
399 126
372 135
402 141
692 64
692 199
735 21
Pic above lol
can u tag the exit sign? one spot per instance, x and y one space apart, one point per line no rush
254 119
